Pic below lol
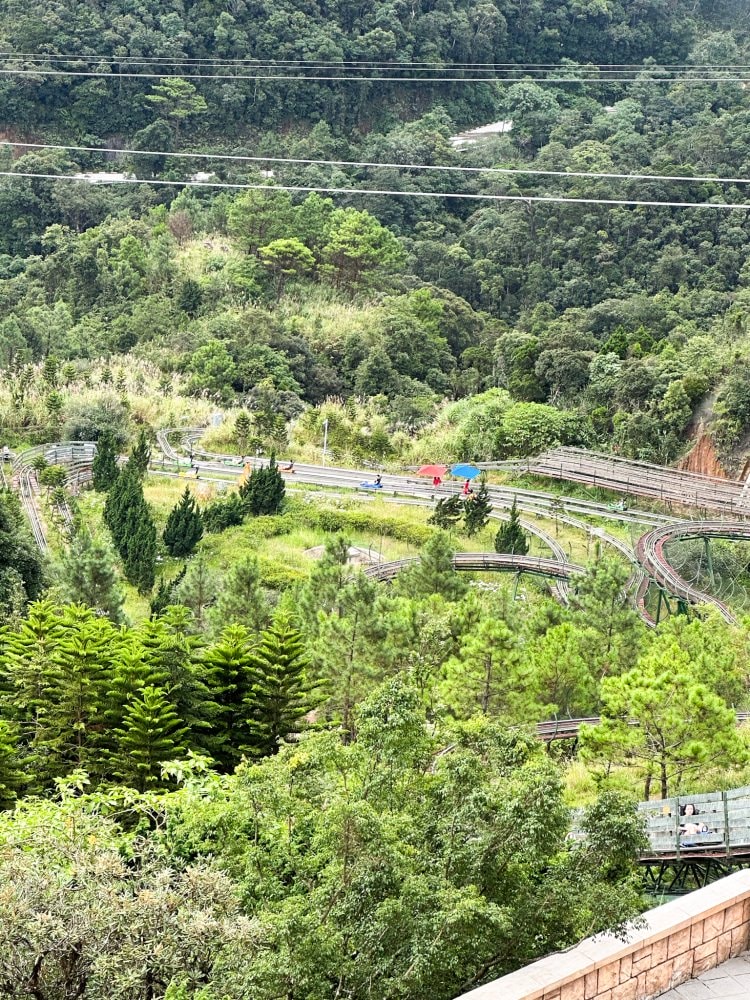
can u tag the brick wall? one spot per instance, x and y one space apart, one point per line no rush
679 941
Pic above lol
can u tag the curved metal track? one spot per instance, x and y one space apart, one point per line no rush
650 551
480 562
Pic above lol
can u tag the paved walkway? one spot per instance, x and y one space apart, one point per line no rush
732 979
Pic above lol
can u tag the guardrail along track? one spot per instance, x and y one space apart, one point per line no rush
635 478
650 551
480 562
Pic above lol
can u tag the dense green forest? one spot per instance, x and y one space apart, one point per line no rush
232 764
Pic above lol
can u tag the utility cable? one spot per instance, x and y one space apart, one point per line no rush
527 199
372 164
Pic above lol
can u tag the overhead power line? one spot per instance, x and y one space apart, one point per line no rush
370 192
372 164
340 78
369 63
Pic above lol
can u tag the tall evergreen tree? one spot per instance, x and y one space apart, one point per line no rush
242 599
510 536
435 572
164 595
140 551
87 575
124 496
477 509
280 693
11 774
105 469
151 733
227 668
140 456
184 527
264 490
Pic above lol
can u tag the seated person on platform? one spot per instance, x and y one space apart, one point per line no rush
690 825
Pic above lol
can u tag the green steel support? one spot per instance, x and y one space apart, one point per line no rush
709 562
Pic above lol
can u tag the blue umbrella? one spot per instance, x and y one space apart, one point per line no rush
464 471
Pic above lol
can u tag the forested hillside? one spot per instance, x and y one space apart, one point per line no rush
274 681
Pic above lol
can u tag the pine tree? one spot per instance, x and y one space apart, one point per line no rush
243 426
447 513
11 775
105 469
140 456
173 652
264 490
197 590
511 537
242 599
227 668
140 552
435 572
123 498
165 593
151 733
280 693
87 575
477 509
184 528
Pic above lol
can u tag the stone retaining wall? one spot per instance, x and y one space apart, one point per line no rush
679 941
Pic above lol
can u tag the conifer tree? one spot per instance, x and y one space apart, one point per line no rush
241 599
151 733
447 513
511 537
105 469
477 509
435 572
227 668
184 528
264 490
11 775
165 593
140 456
280 692
140 552
87 575
123 498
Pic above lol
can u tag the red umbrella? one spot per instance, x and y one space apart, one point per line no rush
432 470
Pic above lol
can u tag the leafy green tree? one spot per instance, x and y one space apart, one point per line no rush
559 673
510 535
184 527
447 513
358 247
477 509
348 649
660 718
165 592
281 692
285 259
435 572
197 591
105 468
150 735
176 100
87 575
